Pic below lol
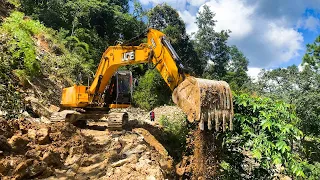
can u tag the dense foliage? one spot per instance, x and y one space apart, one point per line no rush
295 87
99 23
167 20
151 91
30 50
299 87
265 138
22 45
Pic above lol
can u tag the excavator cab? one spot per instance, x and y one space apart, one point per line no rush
119 92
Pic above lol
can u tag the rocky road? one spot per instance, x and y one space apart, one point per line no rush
31 150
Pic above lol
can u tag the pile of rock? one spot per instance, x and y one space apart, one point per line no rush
29 150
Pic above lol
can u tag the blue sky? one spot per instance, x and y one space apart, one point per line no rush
271 33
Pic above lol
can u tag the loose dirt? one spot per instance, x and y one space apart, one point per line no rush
200 160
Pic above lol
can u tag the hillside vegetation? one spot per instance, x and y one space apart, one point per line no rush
48 45
31 53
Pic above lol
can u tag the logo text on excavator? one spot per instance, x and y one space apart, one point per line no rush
128 56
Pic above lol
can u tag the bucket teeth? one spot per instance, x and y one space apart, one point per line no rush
217 120
224 122
207 101
201 125
221 118
230 119
209 121
227 99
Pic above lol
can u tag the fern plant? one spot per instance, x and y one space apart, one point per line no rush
22 45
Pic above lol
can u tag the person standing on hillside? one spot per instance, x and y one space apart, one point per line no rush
152 116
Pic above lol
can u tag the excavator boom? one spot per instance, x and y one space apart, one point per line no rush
206 101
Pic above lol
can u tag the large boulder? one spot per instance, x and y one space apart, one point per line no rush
37 107
4 145
51 158
19 143
43 136
40 136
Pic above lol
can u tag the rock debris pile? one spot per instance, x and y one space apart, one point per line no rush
63 151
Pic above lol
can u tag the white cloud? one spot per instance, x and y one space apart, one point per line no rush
266 31
196 2
285 41
267 42
190 20
253 73
233 15
312 23
144 2
178 4
309 23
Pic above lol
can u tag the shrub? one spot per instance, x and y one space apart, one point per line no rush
152 91
175 134
24 55
22 47
312 170
21 59
10 99
263 139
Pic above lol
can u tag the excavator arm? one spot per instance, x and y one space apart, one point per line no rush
202 100
156 50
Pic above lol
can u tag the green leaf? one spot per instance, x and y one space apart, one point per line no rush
225 165
276 161
266 124
281 145
243 103
256 154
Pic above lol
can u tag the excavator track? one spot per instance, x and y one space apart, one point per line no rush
116 121
113 121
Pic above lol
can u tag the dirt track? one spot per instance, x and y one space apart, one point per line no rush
63 151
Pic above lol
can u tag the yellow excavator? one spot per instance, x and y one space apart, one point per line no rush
208 102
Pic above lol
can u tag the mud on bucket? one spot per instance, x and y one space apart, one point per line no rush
206 101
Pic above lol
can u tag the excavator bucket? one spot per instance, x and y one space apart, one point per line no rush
206 101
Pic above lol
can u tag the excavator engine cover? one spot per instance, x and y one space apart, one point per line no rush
206 101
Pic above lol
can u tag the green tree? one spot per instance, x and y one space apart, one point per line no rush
163 16
140 15
98 23
211 45
237 69
310 85
152 91
298 88
312 55
280 83
166 19
31 52
265 137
